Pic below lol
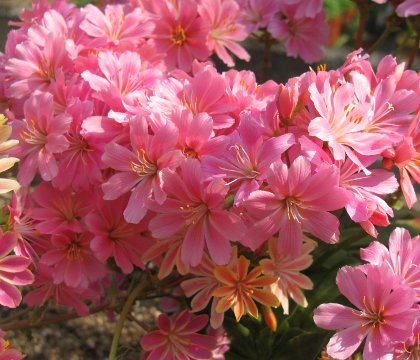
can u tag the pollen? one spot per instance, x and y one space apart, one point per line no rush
178 36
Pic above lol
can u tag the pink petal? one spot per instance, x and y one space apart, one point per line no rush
335 316
9 295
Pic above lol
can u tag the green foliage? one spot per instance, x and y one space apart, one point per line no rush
335 8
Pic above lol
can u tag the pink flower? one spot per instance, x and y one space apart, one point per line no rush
257 14
199 208
80 164
304 35
408 8
407 159
6 353
225 29
196 135
73 261
139 170
13 272
386 313
122 82
177 338
287 269
180 33
116 26
42 137
247 160
35 68
342 122
113 236
403 257
59 211
295 201
30 242
45 289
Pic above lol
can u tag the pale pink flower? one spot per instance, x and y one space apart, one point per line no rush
403 257
139 170
225 29
295 201
13 272
410 349
342 122
72 260
180 33
304 36
199 208
6 162
44 289
287 269
42 136
6 352
386 313
114 237
122 82
34 68
116 26
177 338
306 8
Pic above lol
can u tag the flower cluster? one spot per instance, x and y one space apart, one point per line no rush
135 153
386 293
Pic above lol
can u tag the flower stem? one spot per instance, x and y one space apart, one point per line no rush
28 323
389 29
266 64
134 294
362 6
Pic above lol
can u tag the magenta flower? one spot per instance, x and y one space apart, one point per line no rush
13 272
199 208
139 170
385 314
177 338
72 260
42 137
295 201
403 257
180 33
113 236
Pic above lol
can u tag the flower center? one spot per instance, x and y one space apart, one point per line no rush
32 135
142 166
193 214
292 208
178 36
74 252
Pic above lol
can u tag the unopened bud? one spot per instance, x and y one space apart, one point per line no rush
270 318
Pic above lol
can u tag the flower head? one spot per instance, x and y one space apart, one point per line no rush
177 338
239 288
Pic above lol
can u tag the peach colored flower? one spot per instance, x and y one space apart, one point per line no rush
239 289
